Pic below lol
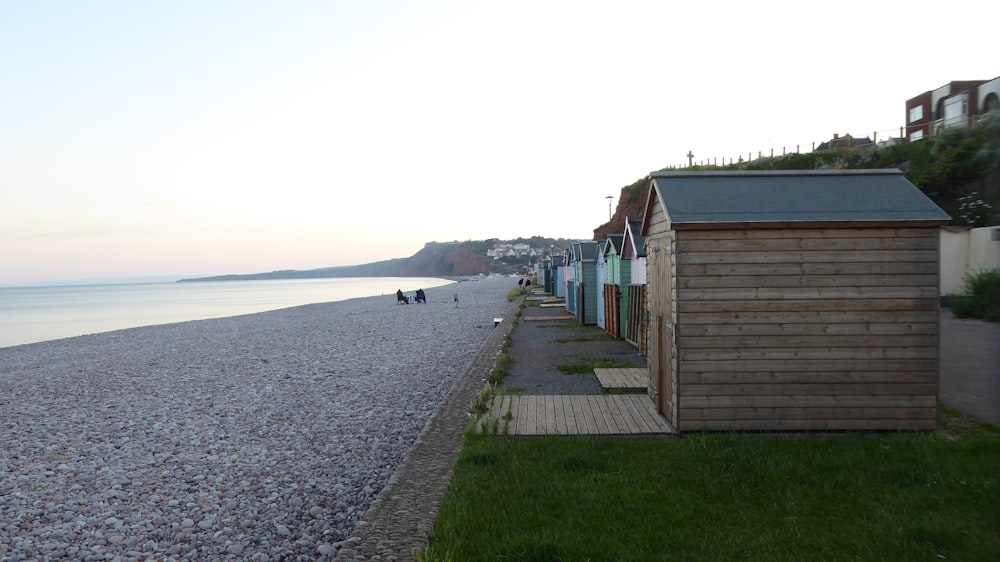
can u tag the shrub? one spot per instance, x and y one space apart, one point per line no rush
515 293
981 298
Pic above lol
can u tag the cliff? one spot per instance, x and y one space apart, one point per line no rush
959 170
435 259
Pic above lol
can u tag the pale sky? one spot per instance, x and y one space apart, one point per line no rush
180 138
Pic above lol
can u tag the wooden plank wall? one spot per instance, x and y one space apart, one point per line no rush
807 329
625 271
589 281
635 327
611 311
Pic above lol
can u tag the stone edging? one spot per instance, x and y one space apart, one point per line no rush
401 518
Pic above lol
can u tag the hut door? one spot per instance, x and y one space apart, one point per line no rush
660 295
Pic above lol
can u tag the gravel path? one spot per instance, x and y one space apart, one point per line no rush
540 347
258 437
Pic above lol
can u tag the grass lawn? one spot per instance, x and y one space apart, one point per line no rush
723 497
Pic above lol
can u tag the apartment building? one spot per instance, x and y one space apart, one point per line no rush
956 104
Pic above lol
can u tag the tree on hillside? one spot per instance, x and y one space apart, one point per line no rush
959 170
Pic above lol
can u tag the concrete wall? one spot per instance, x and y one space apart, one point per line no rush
965 251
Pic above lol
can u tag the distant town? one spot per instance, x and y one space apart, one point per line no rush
501 251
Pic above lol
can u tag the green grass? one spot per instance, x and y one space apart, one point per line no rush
515 293
585 364
502 368
585 338
723 497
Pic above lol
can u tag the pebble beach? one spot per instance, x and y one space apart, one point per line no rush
258 437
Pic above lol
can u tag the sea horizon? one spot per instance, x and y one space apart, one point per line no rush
37 313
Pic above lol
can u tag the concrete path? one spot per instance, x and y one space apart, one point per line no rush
970 367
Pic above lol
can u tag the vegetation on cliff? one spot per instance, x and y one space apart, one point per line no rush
959 170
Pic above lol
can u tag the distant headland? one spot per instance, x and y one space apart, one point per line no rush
435 259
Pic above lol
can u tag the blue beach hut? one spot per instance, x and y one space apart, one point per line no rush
602 276
585 276
558 276
570 269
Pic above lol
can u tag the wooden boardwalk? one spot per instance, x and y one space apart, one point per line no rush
574 414
619 379
527 318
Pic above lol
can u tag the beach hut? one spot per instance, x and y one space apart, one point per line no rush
602 275
585 276
615 286
790 300
540 273
571 293
633 253
545 273
558 276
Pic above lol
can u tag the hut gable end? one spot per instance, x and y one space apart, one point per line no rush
632 243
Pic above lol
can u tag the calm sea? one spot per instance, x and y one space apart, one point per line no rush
40 313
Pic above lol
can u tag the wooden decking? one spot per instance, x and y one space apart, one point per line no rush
574 414
609 414
545 300
623 380
547 318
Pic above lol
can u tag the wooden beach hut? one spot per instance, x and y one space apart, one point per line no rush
543 270
792 300
571 292
602 275
614 294
558 276
634 253
585 276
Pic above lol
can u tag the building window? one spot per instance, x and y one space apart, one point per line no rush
992 103
955 110
916 113
917 135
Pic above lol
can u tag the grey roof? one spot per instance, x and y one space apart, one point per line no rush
846 141
615 242
692 198
638 240
585 251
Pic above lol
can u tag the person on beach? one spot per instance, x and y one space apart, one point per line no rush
421 297
401 298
